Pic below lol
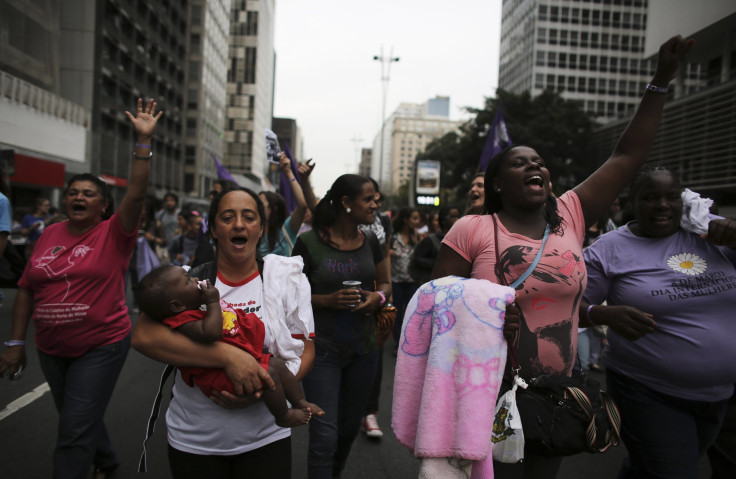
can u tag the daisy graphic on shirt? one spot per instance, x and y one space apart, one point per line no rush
687 263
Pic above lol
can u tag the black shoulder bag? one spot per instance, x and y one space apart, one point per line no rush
562 415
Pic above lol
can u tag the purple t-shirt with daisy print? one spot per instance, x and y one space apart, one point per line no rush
689 285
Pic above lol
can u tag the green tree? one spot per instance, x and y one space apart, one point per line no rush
557 128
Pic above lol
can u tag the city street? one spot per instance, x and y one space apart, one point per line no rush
28 433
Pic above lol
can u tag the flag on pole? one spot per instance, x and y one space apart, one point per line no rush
498 139
222 173
285 185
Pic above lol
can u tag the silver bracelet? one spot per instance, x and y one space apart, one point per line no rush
14 342
138 157
657 89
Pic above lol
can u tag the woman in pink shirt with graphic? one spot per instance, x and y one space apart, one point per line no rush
73 288
519 209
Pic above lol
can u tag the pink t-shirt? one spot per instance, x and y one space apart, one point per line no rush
550 297
78 284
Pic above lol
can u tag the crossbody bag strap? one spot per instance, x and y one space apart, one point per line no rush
520 279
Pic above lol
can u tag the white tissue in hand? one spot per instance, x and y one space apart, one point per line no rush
695 212
202 284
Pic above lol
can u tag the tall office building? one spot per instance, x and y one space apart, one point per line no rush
591 51
407 132
100 55
250 87
697 132
207 56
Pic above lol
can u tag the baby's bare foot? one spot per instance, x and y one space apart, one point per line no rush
316 410
294 418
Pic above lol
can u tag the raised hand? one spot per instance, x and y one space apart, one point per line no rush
671 54
146 118
305 169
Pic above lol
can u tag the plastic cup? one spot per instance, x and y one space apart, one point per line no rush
352 285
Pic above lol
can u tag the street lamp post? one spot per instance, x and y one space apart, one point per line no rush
385 76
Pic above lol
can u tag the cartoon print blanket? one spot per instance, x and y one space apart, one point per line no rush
449 368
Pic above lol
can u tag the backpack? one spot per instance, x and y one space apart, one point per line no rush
419 275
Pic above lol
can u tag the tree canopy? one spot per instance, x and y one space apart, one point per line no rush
557 128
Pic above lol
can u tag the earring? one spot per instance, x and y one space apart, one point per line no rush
498 190
348 210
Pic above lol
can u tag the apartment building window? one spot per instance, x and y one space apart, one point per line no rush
196 15
194 43
552 59
541 54
543 12
614 64
573 38
606 19
586 16
542 35
575 19
593 63
604 41
565 17
554 14
571 83
252 24
552 36
583 62
563 60
583 39
250 65
563 37
573 61
603 63
594 40
539 81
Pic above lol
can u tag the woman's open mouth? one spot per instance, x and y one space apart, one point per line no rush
535 182
239 241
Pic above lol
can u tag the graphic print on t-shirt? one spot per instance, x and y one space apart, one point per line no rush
687 263
61 312
559 271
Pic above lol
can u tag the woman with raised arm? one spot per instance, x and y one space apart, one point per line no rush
73 289
229 436
282 228
520 212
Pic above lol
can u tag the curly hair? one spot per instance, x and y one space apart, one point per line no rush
493 202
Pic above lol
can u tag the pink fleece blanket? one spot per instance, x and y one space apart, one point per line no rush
449 368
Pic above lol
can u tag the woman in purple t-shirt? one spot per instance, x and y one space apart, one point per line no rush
672 369
519 207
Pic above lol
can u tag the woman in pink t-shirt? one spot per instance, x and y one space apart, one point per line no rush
73 288
501 244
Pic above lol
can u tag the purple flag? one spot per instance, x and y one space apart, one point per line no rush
498 139
222 173
284 184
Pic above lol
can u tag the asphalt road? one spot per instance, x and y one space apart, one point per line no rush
27 434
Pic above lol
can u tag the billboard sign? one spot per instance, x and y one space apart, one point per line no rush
427 178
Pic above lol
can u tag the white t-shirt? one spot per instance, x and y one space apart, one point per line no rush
199 426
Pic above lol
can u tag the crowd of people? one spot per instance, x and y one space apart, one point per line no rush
252 302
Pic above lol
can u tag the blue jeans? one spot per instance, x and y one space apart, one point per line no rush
82 388
589 348
402 294
341 386
664 435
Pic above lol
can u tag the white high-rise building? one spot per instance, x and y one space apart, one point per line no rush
207 56
591 51
408 131
250 87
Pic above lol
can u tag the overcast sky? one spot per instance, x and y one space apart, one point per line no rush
327 80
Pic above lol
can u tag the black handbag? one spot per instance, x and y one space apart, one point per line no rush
562 415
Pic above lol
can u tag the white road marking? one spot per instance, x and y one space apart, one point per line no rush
24 400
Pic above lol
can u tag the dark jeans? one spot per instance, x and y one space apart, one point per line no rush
664 435
401 293
82 388
272 460
340 385
532 467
